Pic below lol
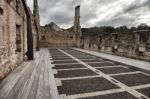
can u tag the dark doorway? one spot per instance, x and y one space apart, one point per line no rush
18 38
1 11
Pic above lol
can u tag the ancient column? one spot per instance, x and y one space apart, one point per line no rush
77 17
36 17
30 53
1 27
77 27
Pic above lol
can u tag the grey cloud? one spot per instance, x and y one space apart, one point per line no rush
117 22
95 12
135 6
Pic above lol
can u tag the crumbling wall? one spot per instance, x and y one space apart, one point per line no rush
56 39
53 36
34 31
11 19
122 42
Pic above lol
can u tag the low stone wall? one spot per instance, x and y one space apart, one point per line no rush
127 44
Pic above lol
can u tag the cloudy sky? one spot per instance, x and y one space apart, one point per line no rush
95 12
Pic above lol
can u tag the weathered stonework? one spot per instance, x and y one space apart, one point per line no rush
13 34
53 36
53 39
133 43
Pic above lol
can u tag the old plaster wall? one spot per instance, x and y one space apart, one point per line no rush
13 31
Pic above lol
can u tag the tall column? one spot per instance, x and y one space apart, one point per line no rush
36 17
77 17
30 53
77 27
1 27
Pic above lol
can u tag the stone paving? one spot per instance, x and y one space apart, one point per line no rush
72 74
84 76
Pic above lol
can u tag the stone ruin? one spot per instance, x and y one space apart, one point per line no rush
132 43
21 34
18 33
54 37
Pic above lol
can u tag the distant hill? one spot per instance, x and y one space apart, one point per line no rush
53 26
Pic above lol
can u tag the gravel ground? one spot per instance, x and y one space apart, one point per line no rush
115 70
94 60
79 86
145 91
62 58
69 66
75 73
85 57
133 79
120 95
100 64
59 53
61 62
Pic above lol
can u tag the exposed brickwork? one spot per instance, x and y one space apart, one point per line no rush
133 43
13 35
53 36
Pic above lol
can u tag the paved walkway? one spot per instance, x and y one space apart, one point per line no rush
31 80
83 76
72 74
133 62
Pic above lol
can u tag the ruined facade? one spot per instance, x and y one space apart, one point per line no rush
53 36
16 34
133 43
36 21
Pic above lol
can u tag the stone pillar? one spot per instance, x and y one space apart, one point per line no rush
36 17
1 27
30 52
77 27
77 17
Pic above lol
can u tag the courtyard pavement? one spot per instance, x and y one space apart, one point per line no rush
83 74
77 74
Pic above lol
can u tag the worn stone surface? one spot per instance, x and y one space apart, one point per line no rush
71 87
145 91
121 95
69 66
132 43
13 35
74 73
133 79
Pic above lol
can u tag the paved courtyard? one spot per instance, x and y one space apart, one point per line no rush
74 74
84 76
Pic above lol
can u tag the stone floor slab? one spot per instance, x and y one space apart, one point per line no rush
75 73
120 95
80 86
145 91
69 66
133 79
115 70
94 60
62 62
101 64
61 58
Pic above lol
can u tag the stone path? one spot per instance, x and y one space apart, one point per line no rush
133 62
84 76
72 74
